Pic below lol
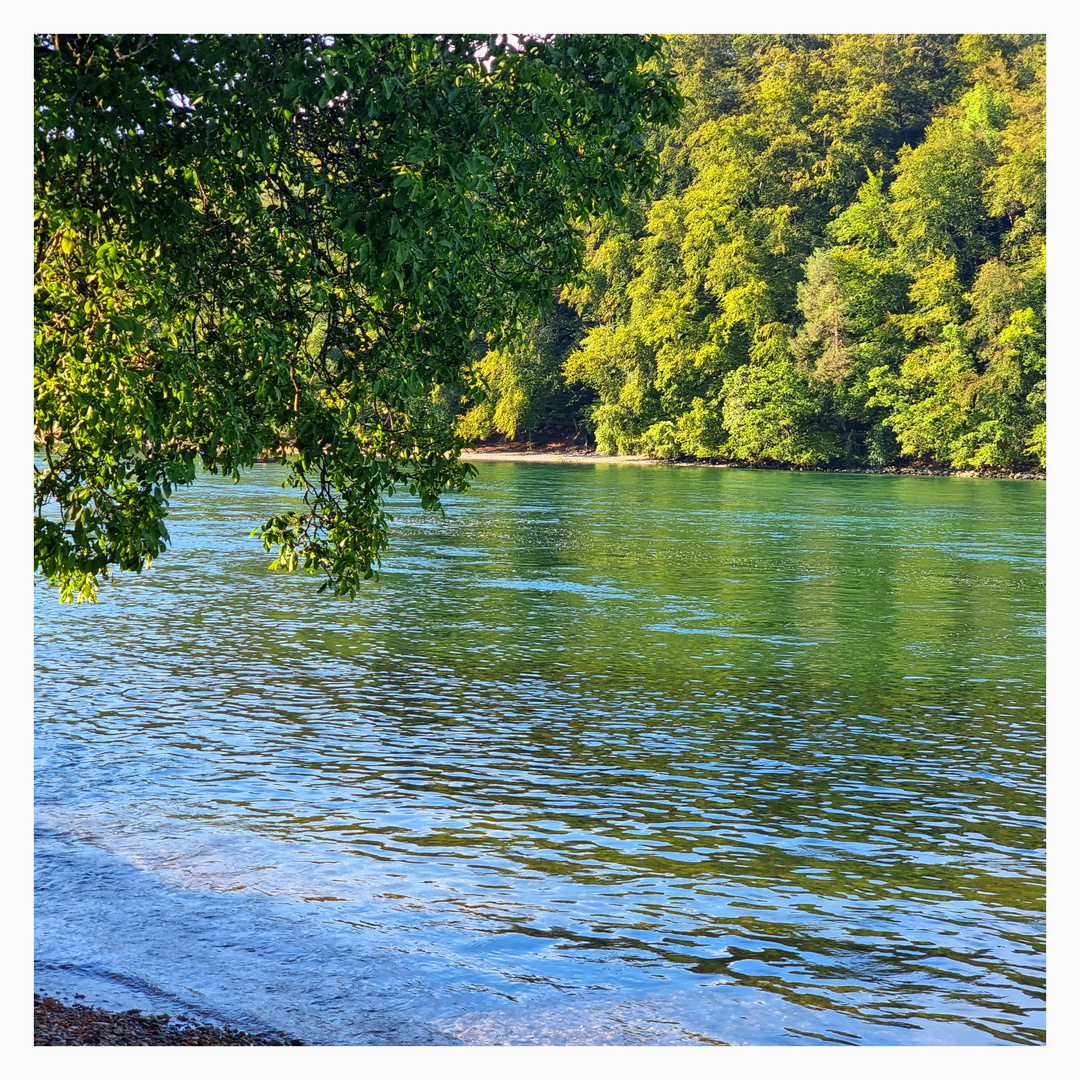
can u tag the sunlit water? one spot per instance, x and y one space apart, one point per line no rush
610 754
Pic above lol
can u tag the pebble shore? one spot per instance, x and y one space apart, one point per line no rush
57 1024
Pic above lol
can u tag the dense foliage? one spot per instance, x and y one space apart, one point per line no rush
243 243
844 261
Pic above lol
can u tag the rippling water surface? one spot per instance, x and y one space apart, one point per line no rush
610 754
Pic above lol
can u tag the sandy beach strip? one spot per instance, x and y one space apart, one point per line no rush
592 457
575 457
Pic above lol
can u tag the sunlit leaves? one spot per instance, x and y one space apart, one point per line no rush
849 220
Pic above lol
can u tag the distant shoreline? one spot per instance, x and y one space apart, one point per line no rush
592 457
577 456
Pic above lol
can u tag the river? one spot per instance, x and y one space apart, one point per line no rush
609 754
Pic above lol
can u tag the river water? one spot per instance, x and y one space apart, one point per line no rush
609 754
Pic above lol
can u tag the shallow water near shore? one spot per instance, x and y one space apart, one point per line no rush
608 755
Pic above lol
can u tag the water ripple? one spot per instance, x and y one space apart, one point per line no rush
607 756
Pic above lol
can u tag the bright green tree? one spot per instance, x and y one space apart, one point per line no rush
864 212
777 142
521 381
773 413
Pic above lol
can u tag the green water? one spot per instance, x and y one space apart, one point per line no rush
609 754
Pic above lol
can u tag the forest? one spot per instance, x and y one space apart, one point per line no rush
843 262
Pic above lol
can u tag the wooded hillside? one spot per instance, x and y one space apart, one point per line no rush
843 262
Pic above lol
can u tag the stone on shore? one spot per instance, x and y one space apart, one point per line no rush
57 1024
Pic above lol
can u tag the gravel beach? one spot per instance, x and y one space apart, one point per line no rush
57 1024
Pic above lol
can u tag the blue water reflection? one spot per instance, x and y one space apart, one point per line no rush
610 754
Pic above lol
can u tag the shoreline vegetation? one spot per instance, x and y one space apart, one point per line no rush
579 455
57 1024
574 452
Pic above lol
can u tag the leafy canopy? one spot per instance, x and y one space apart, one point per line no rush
246 243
